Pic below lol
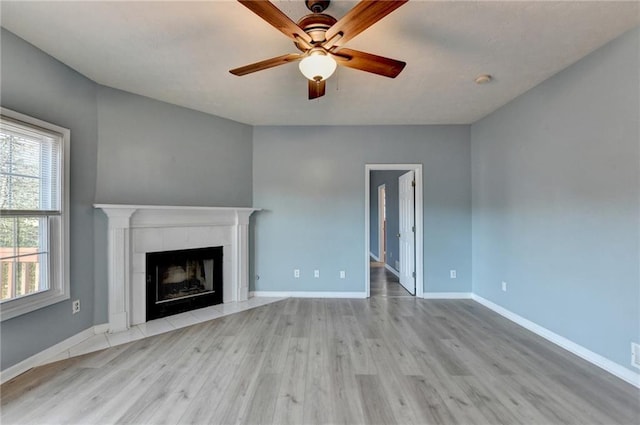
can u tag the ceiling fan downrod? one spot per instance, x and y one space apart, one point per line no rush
317 6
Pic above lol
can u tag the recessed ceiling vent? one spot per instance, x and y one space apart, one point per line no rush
483 79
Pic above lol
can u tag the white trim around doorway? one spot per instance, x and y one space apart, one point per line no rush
417 168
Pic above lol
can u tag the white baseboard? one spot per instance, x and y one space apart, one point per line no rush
375 257
447 295
392 270
615 369
43 357
304 294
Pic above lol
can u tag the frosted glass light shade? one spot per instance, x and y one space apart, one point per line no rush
318 66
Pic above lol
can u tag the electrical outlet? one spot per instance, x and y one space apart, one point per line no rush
296 273
343 274
635 355
316 273
504 286
75 306
452 274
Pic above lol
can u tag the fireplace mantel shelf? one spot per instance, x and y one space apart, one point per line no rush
173 208
137 216
137 229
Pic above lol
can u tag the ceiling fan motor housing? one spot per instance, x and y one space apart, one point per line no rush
316 25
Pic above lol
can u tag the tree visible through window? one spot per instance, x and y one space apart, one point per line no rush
31 219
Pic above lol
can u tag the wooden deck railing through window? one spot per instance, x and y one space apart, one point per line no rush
19 275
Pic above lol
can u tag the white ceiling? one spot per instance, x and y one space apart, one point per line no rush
180 52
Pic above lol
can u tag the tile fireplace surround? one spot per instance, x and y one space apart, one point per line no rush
135 230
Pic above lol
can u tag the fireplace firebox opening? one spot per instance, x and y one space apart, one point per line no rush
183 280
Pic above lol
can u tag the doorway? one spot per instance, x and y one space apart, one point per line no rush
410 261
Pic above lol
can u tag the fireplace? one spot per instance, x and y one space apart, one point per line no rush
183 280
135 230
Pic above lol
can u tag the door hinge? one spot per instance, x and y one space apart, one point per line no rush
413 229
413 183
413 275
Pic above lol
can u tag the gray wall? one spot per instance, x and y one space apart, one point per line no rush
155 153
35 84
389 178
556 202
311 183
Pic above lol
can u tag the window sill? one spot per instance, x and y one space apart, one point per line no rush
23 305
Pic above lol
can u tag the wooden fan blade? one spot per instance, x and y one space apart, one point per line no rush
274 16
367 62
265 64
358 19
316 88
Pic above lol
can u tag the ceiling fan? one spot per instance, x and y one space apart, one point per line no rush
320 38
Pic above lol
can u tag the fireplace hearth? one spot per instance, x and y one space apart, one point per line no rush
183 280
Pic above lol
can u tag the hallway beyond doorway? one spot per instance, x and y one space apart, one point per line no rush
384 283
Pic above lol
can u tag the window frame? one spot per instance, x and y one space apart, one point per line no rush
58 230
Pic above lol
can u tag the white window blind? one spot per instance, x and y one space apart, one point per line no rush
29 169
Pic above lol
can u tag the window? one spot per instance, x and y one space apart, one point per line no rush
33 214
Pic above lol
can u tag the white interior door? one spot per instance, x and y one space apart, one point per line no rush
407 232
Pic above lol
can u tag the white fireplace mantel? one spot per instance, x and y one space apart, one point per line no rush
135 230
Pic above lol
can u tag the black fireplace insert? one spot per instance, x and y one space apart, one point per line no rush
183 280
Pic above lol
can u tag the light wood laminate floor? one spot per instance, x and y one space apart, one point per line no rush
381 360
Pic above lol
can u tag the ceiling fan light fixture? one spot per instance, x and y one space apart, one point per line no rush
317 66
